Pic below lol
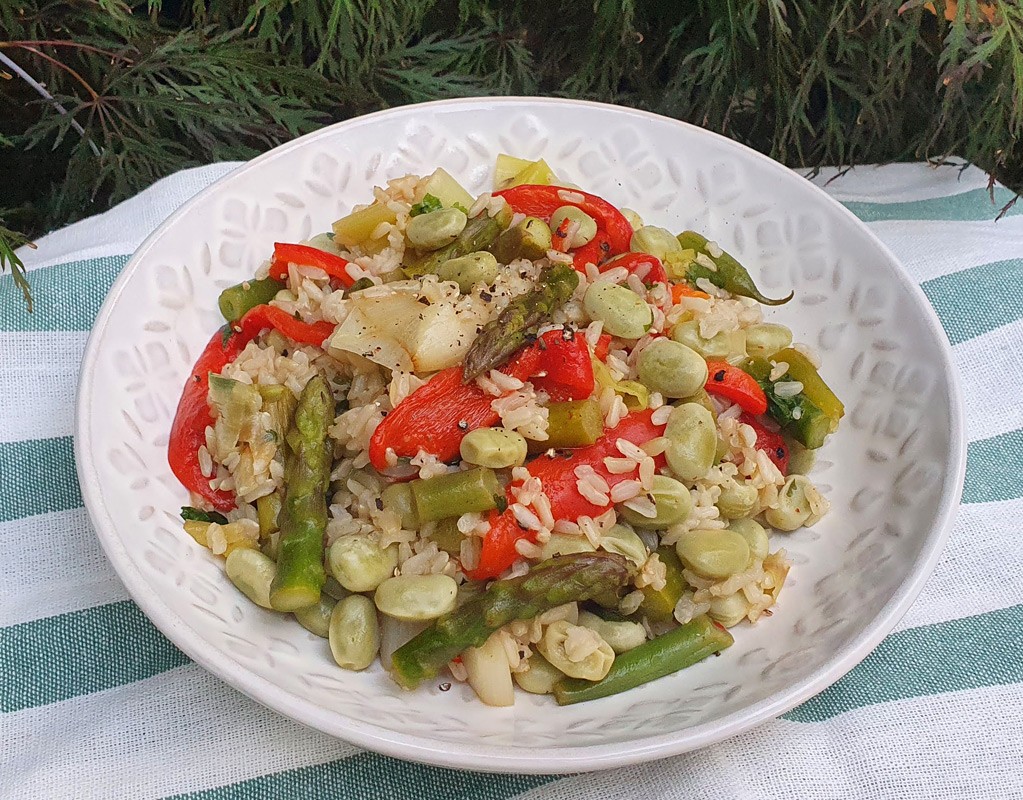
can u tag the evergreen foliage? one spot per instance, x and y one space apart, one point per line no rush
98 98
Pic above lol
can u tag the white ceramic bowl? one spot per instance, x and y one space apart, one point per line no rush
893 472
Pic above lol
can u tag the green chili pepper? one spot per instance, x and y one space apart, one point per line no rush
730 275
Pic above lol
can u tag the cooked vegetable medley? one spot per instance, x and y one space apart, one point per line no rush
520 438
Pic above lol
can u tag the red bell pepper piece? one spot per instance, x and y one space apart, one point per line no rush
542 201
567 367
771 442
680 290
559 236
333 265
558 476
603 346
188 431
596 252
733 384
437 415
655 272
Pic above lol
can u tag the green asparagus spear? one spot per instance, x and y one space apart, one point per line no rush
730 275
668 653
236 300
564 579
303 516
521 318
798 415
481 232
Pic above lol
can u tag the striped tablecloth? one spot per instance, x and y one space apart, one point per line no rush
95 702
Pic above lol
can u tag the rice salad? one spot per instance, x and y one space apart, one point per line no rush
520 439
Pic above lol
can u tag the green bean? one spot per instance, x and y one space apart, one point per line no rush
737 499
754 534
655 241
435 229
671 501
469 270
416 597
456 493
572 423
552 646
766 339
316 618
540 677
354 632
692 441
621 636
496 448
398 498
623 312
530 239
586 226
252 573
730 610
793 508
671 368
659 604
236 301
622 539
717 554
360 564
303 517
668 653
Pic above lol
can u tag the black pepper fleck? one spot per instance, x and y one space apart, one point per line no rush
445 687
719 375
380 504
463 425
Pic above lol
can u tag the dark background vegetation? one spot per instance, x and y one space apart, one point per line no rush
150 88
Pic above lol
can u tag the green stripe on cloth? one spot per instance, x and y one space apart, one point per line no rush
39 476
977 300
368 776
57 658
994 469
67 296
967 653
972 206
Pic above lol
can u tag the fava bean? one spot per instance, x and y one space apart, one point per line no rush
801 459
398 498
540 677
586 226
671 500
252 573
468 270
766 339
635 220
671 368
622 636
624 541
594 667
354 633
713 554
316 618
562 544
793 508
737 499
435 229
722 345
416 597
496 448
623 312
360 564
730 610
692 441
655 241
754 534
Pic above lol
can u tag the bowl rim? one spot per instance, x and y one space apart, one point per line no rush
482 757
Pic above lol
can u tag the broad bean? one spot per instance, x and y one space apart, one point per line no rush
496 448
316 618
435 229
622 636
655 241
354 633
671 368
586 226
553 647
737 499
360 564
766 339
671 501
623 312
713 553
416 597
468 270
692 441
252 573
793 508
540 677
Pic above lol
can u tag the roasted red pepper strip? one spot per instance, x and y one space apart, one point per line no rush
596 252
680 290
559 236
603 346
188 431
771 442
633 262
567 370
542 201
436 416
733 384
559 480
284 254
